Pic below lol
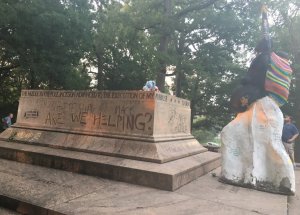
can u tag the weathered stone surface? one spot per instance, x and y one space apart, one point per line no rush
166 176
7 212
151 116
131 136
294 201
158 152
68 193
147 126
252 151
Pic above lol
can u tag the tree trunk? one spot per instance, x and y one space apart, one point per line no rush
179 68
32 82
161 74
99 77
178 82
163 46
297 105
295 49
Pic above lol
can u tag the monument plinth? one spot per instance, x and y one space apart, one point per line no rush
123 129
149 116
140 125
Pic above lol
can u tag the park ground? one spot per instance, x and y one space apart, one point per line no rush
70 193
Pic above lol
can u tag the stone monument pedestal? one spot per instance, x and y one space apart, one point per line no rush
133 136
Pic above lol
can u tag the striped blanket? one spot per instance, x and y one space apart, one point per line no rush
278 79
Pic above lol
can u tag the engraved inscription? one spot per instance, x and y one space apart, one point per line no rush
116 112
31 114
178 120
89 94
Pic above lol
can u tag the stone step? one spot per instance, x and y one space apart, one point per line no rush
30 189
13 206
155 151
167 176
7 211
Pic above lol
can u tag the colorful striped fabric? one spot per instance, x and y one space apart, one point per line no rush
278 79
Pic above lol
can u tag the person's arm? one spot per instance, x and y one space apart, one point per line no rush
6 121
296 134
293 138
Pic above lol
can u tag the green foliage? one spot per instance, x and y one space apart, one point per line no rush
208 66
203 131
41 44
121 52
287 28
203 136
53 44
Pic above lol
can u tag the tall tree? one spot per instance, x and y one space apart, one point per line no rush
286 29
42 43
162 18
121 52
203 40
47 42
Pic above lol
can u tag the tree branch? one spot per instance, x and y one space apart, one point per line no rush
146 28
195 7
172 74
5 68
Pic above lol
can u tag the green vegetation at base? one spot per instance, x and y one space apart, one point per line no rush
203 132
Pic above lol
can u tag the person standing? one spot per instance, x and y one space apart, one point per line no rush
289 134
6 121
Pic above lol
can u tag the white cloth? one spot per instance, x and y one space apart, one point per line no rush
253 154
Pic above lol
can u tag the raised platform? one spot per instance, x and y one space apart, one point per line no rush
137 137
167 176
157 152
32 189
148 126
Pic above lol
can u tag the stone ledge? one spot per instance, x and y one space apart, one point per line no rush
70 193
23 207
167 176
157 152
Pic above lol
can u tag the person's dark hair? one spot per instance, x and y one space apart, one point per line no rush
283 54
263 46
291 118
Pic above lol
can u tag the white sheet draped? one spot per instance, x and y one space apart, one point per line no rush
252 151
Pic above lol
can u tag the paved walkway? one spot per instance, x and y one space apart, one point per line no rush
294 201
70 193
